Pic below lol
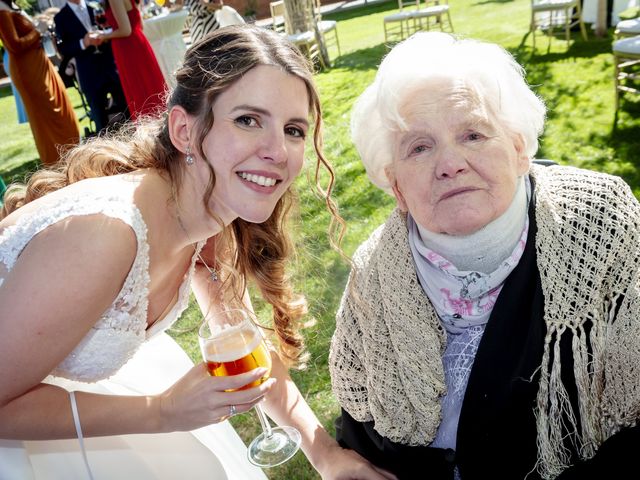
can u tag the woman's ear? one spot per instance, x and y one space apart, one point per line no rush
522 161
180 123
389 172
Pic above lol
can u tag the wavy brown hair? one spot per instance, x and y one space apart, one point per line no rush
256 252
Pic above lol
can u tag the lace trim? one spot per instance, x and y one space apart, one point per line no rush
133 296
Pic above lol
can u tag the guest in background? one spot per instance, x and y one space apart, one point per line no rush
95 67
209 15
22 114
51 116
140 75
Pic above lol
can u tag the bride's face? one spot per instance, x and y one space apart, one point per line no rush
256 144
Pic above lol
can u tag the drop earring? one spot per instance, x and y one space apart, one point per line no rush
189 158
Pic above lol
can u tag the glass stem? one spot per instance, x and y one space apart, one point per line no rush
264 421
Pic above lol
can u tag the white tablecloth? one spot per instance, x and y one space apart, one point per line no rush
164 32
590 10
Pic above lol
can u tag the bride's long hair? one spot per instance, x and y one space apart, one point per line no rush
257 252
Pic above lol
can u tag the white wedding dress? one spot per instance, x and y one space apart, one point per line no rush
120 356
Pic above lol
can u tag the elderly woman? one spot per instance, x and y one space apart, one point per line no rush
490 327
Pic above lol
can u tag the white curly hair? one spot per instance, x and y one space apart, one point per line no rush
412 72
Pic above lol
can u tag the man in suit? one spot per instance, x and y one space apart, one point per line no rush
95 67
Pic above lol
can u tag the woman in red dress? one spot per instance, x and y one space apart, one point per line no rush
140 75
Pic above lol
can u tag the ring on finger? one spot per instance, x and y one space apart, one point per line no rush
232 410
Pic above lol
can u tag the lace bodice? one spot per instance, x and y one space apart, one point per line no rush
122 328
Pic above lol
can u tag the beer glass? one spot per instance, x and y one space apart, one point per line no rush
231 343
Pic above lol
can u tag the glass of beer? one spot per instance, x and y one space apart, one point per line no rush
231 343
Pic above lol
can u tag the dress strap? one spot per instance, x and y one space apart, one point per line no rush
76 421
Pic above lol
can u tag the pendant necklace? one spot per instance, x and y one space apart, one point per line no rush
213 274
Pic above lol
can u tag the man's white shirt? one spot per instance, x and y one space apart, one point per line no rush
82 13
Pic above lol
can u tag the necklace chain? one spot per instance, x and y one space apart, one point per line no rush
213 273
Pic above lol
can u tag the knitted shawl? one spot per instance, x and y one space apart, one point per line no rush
386 352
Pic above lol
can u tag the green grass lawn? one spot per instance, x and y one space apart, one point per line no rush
575 82
18 154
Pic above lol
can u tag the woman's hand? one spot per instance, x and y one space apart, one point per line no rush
345 464
199 399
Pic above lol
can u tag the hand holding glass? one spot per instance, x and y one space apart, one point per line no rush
231 344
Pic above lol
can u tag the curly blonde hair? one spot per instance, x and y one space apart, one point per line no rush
256 252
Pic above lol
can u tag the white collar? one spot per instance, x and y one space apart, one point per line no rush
486 249
78 6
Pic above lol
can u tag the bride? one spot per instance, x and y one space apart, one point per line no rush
96 261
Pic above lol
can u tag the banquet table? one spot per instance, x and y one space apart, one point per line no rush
164 33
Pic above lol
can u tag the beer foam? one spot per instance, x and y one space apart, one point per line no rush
232 343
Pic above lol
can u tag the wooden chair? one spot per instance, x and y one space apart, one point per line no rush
277 16
396 26
400 25
435 11
413 17
299 27
627 28
328 28
626 54
546 15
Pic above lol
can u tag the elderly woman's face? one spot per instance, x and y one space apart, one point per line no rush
455 169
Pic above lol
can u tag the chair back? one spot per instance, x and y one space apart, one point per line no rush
316 9
432 3
300 17
278 16
408 4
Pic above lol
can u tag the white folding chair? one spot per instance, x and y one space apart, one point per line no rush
396 26
626 54
328 28
412 17
299 27
627 28
277 16
400 25
547 15
435 11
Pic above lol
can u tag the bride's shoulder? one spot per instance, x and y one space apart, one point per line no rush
107 200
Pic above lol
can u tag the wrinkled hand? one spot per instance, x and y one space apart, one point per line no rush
344 464
198 399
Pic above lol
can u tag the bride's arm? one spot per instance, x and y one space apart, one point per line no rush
62 282
56 291
286 405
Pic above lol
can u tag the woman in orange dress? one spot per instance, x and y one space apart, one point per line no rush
51 116
140 75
